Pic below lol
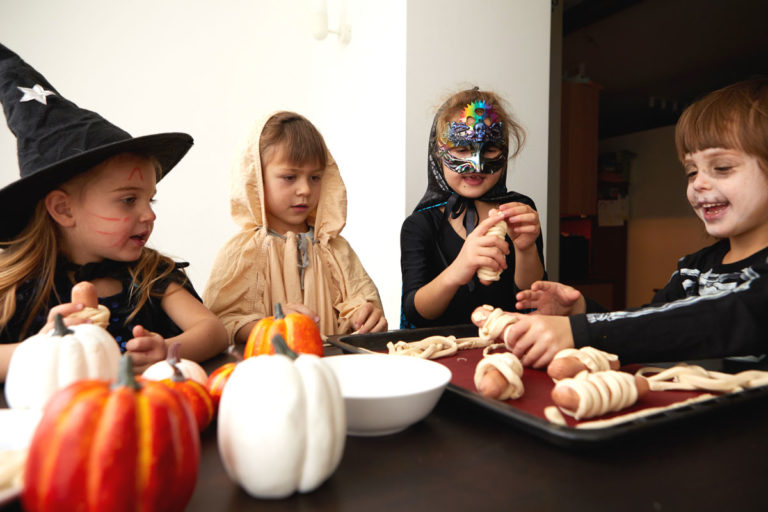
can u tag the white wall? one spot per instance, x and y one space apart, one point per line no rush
657 180
212 69
498 45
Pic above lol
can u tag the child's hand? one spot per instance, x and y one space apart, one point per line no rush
146 348
479 250
295 307
550 298
523 225
535 339
368 318
64 310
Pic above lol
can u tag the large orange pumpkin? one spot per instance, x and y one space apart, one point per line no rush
299 331
123 446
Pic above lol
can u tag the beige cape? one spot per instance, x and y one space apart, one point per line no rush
255 269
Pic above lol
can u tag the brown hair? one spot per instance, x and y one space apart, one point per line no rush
302 142
33 254
734 117
461 99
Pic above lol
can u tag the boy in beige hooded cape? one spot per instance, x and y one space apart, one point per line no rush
289 199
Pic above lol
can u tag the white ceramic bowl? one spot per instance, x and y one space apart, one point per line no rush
384 394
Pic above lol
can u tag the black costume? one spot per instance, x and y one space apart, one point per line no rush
707 309
428 244
120 306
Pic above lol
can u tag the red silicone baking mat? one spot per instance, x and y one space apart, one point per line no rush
527 412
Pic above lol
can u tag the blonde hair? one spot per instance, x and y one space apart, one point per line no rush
33 254
300 141
734 117
512 129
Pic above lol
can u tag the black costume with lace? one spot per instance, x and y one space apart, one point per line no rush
151 316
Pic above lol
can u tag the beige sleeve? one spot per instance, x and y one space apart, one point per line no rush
355 285
234 291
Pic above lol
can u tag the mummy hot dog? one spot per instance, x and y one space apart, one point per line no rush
85 293
570 361
593 394
487 274
498 375
492 324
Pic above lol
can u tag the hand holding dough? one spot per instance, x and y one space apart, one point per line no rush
85 293
486 274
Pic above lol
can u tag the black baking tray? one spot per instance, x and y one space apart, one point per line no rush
563 435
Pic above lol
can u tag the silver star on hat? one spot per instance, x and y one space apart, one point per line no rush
37 93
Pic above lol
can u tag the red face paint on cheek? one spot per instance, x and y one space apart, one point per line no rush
111 219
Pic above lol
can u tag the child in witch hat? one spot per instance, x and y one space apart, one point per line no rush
81 211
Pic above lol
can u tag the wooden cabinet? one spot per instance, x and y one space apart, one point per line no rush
578 150
594 260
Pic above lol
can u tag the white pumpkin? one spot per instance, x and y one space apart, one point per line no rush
281 424
46 362
162 370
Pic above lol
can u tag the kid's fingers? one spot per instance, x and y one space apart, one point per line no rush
541 285
373 322
514 336
294 307
534 355
64 310
512 209
530 218
68 321
487 223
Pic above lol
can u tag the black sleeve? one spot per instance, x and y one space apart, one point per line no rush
730 323
179 277
418 263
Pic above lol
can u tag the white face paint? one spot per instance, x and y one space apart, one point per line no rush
729 192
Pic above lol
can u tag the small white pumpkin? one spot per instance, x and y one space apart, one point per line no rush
281 424
162 370
46 362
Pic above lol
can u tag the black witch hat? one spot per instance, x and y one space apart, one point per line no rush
57 140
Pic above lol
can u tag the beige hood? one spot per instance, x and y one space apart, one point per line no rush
247 192
256 269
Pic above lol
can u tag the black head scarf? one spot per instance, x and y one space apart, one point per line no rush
440 193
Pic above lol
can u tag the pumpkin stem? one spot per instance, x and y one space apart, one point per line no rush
173 353
125 377
281 347
279 310
177 375
232 351
59 329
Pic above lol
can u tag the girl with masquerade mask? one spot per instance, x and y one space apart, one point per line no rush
446 239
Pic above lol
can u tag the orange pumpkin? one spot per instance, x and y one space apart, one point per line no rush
298 330
216 382
195 394
113 446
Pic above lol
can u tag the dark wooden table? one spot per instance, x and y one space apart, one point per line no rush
463 457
